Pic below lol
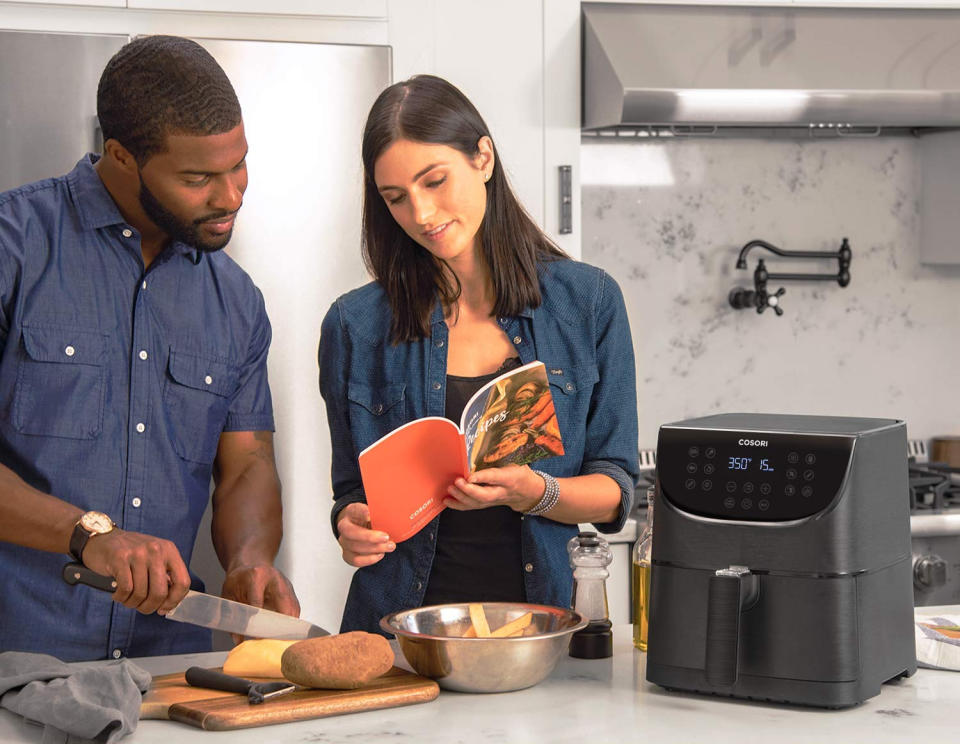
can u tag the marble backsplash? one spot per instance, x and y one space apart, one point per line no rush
667 220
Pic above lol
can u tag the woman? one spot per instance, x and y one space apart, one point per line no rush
465 287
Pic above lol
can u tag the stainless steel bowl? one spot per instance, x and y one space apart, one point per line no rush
432 641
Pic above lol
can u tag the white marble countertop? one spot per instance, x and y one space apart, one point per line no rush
594 701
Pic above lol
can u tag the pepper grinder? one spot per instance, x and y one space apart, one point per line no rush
589 557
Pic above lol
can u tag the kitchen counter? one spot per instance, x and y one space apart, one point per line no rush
607 700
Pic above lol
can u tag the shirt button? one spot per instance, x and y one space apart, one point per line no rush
569 386
419 585
503 321
144 285
127 232
69 351
117 653
437 386
136 501
143 354
378 409
517 339
440 344
141 428
208 379
528 568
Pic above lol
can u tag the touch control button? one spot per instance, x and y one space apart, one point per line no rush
806 492
764 504
729 502
689 484
711 452
748 487
810 459
691 467
765 489
746 503
707 485
790 489
731 486
791 473
708 469
808 475
793 458
693 451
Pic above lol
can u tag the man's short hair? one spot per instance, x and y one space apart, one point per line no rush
161 85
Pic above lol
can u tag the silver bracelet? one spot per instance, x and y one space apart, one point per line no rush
551 495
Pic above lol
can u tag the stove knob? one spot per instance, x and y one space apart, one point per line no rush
929 571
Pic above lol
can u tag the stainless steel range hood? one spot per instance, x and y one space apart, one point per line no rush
708 69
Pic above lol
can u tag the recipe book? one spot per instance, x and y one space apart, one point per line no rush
509 421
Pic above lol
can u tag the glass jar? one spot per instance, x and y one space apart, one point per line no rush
640 570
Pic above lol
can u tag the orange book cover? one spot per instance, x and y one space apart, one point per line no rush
510 420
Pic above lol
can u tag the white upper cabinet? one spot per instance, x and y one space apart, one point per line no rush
91 3
337 8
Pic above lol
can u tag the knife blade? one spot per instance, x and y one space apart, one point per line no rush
197 608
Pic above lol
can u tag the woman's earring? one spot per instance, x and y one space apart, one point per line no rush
486 177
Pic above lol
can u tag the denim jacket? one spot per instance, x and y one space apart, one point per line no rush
371 386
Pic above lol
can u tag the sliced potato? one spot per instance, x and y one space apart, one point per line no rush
479 620
514 627
256 658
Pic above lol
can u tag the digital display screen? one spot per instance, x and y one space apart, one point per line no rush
750 476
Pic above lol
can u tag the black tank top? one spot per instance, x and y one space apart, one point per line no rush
478 556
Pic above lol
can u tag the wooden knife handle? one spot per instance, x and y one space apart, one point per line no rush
77 573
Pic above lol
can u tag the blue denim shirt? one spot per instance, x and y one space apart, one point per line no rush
580 332
115 384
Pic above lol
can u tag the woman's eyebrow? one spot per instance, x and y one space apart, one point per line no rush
416 178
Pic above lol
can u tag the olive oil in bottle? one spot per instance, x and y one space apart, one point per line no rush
641 568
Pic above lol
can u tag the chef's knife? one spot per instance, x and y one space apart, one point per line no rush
198 608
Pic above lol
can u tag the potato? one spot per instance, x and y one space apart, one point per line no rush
341 662
256 658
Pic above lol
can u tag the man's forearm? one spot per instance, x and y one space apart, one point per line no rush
33 518
247 510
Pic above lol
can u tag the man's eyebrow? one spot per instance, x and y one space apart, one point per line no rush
189 172
417 177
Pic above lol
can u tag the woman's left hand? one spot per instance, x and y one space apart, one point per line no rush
516 486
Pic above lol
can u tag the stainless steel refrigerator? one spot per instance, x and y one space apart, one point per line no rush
297 235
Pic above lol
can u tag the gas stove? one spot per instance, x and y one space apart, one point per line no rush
934 492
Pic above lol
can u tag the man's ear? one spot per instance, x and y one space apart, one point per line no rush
120 157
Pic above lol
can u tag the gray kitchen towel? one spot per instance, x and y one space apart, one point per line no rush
73 702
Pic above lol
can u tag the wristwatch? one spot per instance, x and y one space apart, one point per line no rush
90 524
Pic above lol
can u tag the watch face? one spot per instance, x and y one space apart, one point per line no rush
96 522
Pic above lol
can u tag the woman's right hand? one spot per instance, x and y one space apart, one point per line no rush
361 546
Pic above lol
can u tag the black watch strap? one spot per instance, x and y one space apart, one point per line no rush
78 541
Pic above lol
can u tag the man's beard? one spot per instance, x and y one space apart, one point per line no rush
176 229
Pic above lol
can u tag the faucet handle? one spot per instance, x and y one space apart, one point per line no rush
774 301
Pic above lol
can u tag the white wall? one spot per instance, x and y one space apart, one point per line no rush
667 220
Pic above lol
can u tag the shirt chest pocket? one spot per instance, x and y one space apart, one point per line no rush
60 383
375 410
572 388
196 396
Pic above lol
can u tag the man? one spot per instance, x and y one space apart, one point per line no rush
132 369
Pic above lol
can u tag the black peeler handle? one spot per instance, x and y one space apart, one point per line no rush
214 680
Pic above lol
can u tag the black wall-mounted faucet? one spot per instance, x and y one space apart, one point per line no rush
760 298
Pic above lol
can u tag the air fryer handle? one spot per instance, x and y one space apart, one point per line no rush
732 590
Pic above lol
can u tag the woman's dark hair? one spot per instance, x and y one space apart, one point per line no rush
430 110
160 85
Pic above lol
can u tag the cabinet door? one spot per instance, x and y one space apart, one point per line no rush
339 8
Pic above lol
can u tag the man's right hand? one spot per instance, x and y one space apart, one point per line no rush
361 546
150 574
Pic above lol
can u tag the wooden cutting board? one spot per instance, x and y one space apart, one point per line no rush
171 698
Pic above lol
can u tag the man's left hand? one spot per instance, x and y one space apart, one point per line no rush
261 586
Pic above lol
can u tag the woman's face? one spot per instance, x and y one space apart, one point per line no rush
436 194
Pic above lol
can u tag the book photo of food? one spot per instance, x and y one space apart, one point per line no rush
519 424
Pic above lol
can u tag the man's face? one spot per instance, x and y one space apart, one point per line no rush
193 190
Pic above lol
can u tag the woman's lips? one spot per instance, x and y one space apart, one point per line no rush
437 232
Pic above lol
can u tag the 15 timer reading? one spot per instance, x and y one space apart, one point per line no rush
743 463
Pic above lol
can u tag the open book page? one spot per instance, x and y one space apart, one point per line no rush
406 474
511 420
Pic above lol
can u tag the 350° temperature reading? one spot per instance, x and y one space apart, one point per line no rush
744 463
